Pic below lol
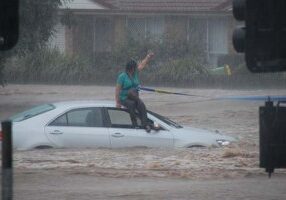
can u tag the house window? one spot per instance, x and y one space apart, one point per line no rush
136 28
57 40
144 27
197 33
209 34
103 33
217 39
155 27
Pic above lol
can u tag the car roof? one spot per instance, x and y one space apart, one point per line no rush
84 103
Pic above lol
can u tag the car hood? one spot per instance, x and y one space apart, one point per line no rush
188 135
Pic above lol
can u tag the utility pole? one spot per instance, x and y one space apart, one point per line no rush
7 161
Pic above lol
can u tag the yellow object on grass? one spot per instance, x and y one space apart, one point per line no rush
225 70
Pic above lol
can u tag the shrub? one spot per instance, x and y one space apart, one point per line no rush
178 70
49 66
175 61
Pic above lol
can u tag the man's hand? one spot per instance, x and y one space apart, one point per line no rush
150 55
144 62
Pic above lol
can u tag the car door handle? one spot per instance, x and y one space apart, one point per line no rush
117 135
56 132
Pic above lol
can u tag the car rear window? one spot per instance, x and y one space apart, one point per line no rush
32 112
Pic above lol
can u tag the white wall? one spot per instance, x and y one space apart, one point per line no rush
58 39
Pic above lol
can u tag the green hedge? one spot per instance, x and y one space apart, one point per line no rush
53 67
48 66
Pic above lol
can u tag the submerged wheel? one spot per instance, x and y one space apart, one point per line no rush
44 147
196 145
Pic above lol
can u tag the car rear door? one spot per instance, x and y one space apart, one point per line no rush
124 134
82 127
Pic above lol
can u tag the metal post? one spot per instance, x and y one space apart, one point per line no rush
7 161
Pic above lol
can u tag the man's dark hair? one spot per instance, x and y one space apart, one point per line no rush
132 64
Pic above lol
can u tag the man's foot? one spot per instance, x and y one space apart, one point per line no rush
148 129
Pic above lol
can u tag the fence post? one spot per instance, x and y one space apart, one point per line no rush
7 161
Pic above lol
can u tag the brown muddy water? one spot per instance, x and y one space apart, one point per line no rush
143 173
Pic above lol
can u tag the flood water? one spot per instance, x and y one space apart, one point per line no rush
144 173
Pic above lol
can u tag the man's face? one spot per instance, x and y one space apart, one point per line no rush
132 70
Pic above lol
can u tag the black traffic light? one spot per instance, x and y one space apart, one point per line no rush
9 23
263 36
272 124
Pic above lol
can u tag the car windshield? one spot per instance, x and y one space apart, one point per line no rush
166 120
32 112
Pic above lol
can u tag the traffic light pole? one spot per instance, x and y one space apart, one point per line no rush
7 161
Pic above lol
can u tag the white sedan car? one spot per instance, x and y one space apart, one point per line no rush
84 124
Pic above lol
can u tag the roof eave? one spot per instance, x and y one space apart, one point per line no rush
140 12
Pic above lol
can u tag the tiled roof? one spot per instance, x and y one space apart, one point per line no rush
82 4
167 5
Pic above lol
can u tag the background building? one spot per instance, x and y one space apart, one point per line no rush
92 27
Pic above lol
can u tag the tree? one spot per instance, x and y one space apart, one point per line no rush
37 21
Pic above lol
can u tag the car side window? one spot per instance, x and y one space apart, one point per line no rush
86 117
60 121
78 117
94 118
120 118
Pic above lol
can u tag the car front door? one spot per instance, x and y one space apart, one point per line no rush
82 127
124 134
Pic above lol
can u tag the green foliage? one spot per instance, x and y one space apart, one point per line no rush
37 22
49 66
175 60
135 49
179 70
233 60
241 69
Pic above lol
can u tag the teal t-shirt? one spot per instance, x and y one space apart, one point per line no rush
127 83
